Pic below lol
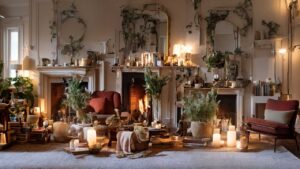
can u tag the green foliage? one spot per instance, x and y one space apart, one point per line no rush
243 10
212 20
272 26
24 89
154 83
135 36
215 59
199 107
76 96
75 45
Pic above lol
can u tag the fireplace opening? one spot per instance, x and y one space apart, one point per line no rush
133 93
57 97
227 108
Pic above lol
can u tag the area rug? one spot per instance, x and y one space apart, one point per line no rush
51 155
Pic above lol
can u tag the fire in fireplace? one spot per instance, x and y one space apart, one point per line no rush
133 93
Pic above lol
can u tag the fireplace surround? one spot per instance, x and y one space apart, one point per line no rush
49 76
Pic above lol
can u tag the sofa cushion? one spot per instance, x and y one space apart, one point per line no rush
283 117
98 104
267 126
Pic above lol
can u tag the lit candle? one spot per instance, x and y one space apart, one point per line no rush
231 128
217 131
216 140
76 143
72 144
238 144
2 138
231 138
37 111
91 137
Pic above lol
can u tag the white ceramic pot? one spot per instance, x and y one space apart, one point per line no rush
201 129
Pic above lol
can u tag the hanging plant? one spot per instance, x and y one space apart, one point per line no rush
243 10
75 45
212 19
272 27
197 17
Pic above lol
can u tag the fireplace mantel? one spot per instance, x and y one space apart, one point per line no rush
94 75
239 92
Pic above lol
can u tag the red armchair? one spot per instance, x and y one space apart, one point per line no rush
104 104
276 128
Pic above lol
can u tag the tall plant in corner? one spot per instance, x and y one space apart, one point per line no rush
77 98
154 85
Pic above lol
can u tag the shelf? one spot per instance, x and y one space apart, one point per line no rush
267 43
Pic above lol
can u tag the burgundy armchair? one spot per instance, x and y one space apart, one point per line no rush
274 127
104 104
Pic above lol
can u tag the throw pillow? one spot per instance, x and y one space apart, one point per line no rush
98 104
283 117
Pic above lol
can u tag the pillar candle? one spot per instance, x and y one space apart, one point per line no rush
91 137
231 138
216 140
231 128
216 130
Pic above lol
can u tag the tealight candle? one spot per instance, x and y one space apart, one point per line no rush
231 138
216 140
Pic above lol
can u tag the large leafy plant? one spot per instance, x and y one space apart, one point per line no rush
200 107
154 83
76 96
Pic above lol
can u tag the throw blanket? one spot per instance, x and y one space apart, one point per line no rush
125 142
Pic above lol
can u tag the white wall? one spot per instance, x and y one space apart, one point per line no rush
103 20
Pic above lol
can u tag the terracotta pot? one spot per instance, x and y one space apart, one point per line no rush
201 129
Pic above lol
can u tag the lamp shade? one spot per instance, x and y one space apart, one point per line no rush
28 63
16 66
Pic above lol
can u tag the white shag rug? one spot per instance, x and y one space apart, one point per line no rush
51 155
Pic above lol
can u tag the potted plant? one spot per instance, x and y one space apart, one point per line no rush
77 98
154 85
201 110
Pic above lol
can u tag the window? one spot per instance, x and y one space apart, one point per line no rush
13 49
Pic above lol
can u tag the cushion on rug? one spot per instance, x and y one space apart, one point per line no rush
98 104
283 117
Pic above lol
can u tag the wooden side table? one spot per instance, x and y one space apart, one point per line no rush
39 135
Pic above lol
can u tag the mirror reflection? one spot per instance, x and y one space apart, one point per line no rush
226 37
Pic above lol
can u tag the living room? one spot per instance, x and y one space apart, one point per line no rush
149 84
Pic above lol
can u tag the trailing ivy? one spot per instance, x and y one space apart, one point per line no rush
243 10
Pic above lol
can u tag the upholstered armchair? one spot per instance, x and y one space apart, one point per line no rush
104 104
279 122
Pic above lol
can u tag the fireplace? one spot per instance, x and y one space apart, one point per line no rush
57 97
231 105
227 107
51 88
133 92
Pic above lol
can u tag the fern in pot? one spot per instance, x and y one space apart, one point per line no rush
201 109
77 98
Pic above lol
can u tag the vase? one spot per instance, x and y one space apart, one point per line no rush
201 129
80 115
156 104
